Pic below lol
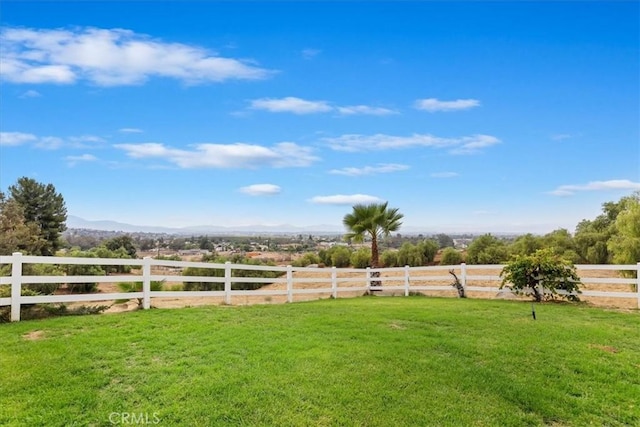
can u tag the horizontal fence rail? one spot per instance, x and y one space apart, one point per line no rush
330 281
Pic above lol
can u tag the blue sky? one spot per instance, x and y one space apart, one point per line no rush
469 116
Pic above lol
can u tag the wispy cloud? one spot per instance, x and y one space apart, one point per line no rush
310 53
444 174
16 138
130 130
473 144
74 160
49 142
433 105
111 57
31 94
225 156
614 184
359 143
365 110
370 170
290 104
341 199
86 140
261 190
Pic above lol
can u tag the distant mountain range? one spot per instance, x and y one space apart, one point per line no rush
103 225
326 229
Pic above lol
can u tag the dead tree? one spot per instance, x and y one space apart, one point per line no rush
456 284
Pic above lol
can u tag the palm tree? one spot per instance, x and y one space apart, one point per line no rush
375 220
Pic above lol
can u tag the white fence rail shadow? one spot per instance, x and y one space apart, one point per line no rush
293 281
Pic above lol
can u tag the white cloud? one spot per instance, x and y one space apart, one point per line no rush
365 110
358 143
433 105
261 190
49 142
130 130
341 199
614 184
444 174
370 170
73 160
239 155
31 94
310 53
290 104
111 57
16 138
473 144
82 139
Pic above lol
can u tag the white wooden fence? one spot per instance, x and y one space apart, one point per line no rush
403 280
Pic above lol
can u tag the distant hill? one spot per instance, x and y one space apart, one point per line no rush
104 225
326 229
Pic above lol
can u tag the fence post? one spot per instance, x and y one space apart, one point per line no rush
463 276
146 283
368 278
638 283
289 283
406 280
227 282
334 282
16 286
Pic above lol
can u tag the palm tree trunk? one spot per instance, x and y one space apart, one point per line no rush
375 262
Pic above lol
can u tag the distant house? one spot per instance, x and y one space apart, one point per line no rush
461 243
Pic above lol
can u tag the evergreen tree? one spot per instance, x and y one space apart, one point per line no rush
43 207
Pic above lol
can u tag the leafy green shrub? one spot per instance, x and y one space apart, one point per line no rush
411 255
336 254
103 252
41 311
451 256
203 272
83 270
307 259
487 249
325 256
526 273
428 249
526 244
254 273
340 256
389 258
156 285
5 311
41 270
63 310
219 272
562 244
361 258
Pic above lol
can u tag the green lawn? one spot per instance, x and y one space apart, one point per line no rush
369 361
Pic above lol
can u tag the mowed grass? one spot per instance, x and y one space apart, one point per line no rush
370 361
